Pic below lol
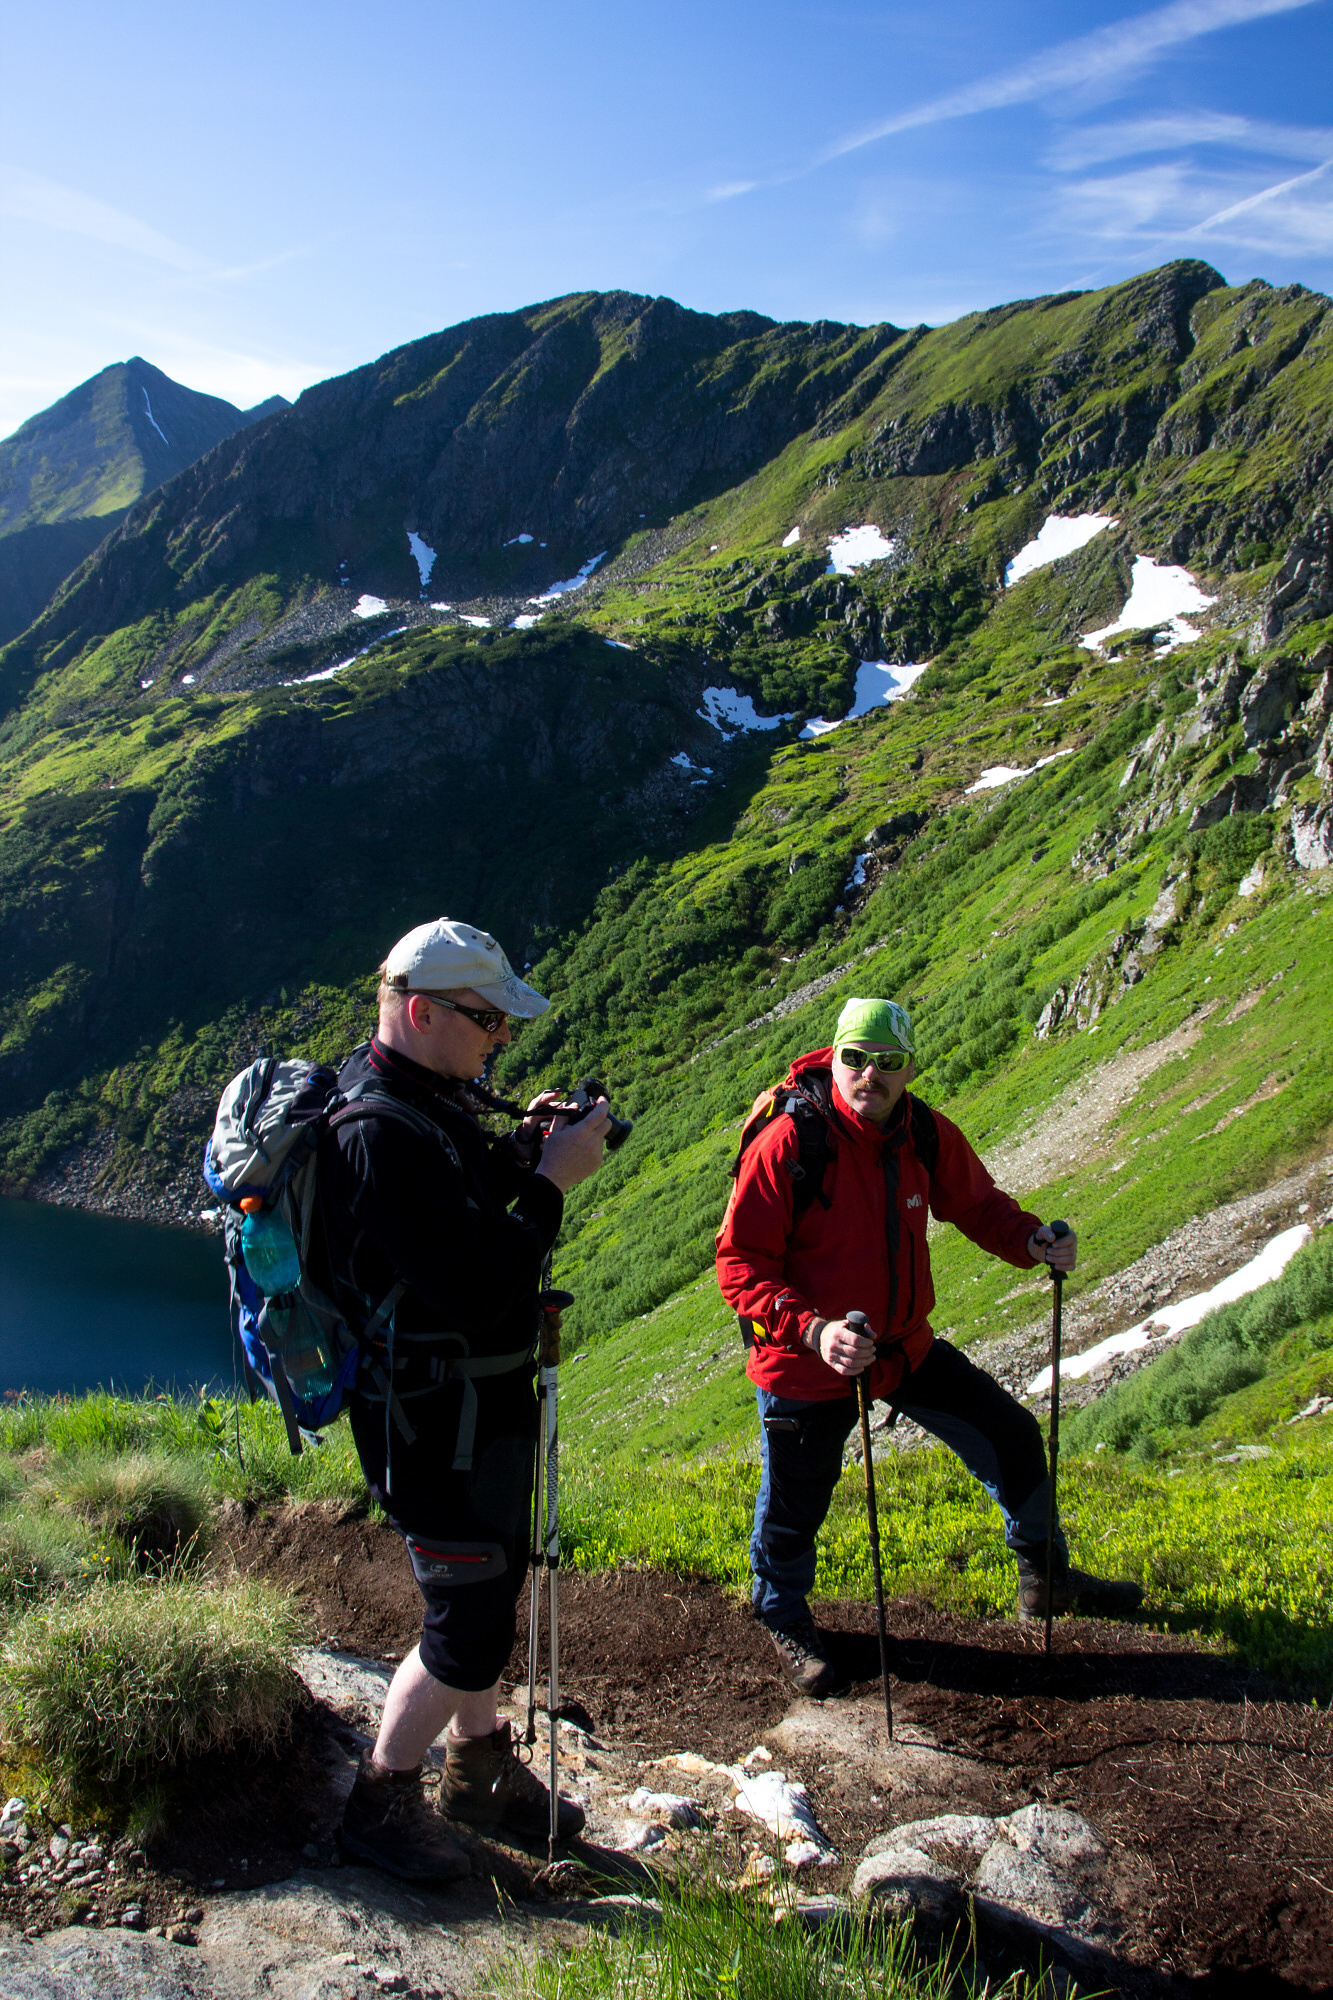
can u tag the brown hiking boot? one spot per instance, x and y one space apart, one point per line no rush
1075 1590
389 1821
485 1784
805 1663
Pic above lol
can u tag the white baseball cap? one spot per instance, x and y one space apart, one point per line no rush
446 954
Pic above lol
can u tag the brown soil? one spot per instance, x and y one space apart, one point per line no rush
1221 1784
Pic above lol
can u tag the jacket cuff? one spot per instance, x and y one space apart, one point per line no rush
542 1206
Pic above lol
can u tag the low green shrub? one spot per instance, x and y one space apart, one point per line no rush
157 1505
1226 1351
108 1689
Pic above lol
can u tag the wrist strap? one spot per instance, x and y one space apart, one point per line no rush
812 1333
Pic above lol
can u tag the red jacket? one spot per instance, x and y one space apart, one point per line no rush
835 1260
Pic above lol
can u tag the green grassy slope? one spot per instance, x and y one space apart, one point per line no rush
196 858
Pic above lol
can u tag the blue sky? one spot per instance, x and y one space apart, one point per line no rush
257 196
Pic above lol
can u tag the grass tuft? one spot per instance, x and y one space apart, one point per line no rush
158 1506
42 1554
708 1943
110 1689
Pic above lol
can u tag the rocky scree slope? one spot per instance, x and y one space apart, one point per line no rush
243 748
69 474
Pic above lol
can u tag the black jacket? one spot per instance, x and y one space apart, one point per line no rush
394 1207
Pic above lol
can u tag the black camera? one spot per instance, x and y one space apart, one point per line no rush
581 1101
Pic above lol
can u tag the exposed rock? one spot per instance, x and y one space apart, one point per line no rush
1040 1876
1312 835
1304 587
900 827
1267 702
905 1883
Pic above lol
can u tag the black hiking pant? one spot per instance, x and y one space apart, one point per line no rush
802 1445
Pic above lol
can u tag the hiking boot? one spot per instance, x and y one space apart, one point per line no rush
1074 1590
486 1785
389 1821
805 1663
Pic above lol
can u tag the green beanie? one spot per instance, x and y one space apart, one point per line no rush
875 1021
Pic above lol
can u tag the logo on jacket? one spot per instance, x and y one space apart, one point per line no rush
914 1201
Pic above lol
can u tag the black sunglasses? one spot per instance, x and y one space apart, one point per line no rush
890 1061
487 1018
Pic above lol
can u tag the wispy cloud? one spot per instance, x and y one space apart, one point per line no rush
1159 209
1093 144
1120 47
1274 193
29 197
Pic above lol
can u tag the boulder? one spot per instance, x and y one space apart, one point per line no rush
907 1885
965 1835
1061 1838
1015 1889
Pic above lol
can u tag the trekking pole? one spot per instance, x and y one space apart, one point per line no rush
550 1370
534 1574
1058 1229
858 1322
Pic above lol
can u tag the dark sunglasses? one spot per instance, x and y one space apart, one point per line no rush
487 1018
890 1061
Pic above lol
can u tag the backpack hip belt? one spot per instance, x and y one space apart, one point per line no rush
465 1368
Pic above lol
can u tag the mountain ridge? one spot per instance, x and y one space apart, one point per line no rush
77 467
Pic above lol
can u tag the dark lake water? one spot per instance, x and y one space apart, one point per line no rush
89 1301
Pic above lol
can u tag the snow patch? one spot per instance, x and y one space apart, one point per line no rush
369 607
468 619
148 411
570 583
877 683
1159 594
857 878
855 547
1059 535
728 710
1270 1263
188 681
525 620
686 765
622 644
327 673
518 538
1004 774
790 541
425 556
441 607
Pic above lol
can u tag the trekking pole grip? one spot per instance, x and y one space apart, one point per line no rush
1058 1229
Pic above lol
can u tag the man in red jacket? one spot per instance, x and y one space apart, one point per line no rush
827 1217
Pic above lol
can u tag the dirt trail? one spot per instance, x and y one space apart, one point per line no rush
1071 1130
1214 1790
1220 1784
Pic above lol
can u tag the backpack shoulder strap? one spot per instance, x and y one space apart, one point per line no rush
925 1135
363 1101
815 1147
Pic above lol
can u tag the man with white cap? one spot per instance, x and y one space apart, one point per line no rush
419 1198
838 1171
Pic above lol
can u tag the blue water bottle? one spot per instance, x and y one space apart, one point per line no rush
269 1249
